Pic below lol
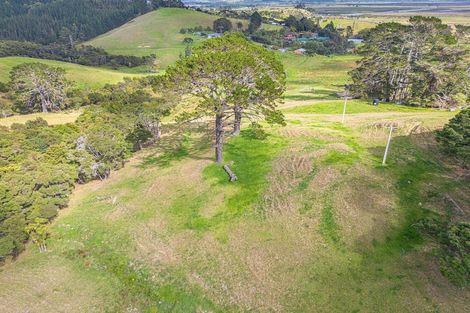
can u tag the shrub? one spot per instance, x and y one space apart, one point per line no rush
3 87
455 137
255 131
454 257
188 40
222 25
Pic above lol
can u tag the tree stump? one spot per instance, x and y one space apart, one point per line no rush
232 176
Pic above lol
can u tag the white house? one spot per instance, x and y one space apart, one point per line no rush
214 35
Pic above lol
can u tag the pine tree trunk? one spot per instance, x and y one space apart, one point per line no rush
158 131
44 102
237 122
71 42
219 137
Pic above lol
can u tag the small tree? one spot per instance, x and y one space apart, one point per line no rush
188 40
3 87
40 86
5 108
230 76
455 137
291 22
107 145
256 21
38 233
222 25
151 63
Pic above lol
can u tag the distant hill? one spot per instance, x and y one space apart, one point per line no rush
83 76
47 21
156 32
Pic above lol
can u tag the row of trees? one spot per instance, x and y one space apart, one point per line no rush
85 55
223 24
417 64
48 21
303 24
337 42
455 137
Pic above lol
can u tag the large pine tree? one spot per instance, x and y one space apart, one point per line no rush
418 64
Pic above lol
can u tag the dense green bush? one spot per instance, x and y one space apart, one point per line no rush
454 239
195 29
455 137
40 164
83 54
222 25
3 87
36 178
255 131
419 64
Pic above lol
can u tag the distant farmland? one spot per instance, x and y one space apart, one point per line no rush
157 32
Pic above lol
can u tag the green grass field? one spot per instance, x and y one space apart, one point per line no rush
317 77
83 76
51 118
352 107
357 24
315 223
157 32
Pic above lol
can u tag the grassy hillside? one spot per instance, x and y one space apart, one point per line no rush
51 118
309 79
84 76
156 32
314 224
317 77
357 24
363 22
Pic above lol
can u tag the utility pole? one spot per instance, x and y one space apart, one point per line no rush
344 107
388 143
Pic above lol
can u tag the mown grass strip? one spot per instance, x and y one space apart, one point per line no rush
353 107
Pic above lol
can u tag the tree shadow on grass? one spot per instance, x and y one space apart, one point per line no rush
179 142
419 172
422 179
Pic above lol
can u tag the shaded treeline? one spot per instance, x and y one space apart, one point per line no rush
50 21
